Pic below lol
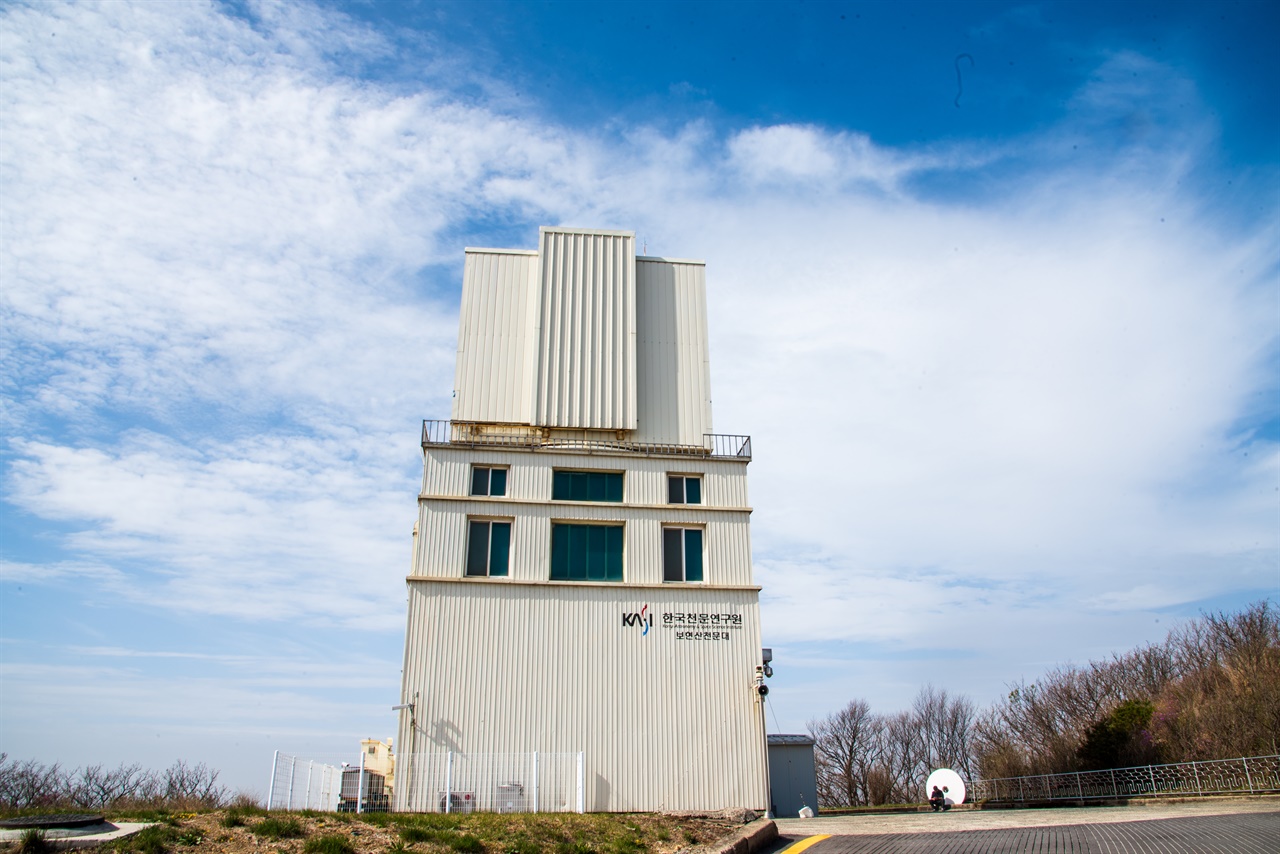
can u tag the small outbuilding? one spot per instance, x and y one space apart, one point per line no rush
793 778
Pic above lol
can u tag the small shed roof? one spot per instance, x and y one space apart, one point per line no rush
798 740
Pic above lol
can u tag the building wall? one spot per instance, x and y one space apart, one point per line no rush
445 508
674 367
493 373
664 721
586 330
586 356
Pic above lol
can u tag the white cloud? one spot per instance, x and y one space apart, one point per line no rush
230 272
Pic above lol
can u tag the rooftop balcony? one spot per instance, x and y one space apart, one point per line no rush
468 434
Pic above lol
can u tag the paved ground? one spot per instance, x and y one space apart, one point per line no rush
1239 827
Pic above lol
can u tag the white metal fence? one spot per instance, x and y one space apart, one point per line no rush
1248 775
432 782
303 784
491 782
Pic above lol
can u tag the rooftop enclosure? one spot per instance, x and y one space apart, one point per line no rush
582 335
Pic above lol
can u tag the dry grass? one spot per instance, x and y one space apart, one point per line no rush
215 832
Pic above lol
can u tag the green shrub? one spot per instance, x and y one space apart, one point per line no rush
278 828
233 818
331 844
33 842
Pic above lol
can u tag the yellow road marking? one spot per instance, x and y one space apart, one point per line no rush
797 847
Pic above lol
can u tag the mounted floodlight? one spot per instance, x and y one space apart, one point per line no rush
402 706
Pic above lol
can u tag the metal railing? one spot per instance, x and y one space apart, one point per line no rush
469 434
1247 775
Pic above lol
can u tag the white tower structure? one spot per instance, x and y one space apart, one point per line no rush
581 583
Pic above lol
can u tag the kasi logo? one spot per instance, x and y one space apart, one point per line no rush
639 618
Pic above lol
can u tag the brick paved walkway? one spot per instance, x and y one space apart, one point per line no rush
1241 833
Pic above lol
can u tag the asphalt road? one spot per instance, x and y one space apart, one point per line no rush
1241 827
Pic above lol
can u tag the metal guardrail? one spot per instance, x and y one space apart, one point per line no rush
1247 775
467 434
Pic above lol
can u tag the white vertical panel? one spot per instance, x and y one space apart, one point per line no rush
664 723
491 375
672 357
586 373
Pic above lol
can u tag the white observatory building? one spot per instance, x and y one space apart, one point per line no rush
583 629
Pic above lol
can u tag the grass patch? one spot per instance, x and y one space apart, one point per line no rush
33 842
523 845
465 843
331 844
278 828
155 839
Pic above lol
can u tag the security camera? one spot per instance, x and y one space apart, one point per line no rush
768 671
762 690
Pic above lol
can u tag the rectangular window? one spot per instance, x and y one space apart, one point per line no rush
488 548
586 486
681 554
684 489
586 552
486 480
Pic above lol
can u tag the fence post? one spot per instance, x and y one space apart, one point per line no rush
306 801
1247 776
448 783
271 789
1151 772
293 773
1115 792
1079 788
535 781
1196 772
582 807
360 786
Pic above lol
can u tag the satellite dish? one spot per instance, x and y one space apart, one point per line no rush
950 783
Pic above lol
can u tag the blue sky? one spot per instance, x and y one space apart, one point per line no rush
993 287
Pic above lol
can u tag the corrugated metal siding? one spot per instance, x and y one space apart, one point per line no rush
586 370
664 723
493 375
442 541
673 363
447 471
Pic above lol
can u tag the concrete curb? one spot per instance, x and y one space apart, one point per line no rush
748 839
63 839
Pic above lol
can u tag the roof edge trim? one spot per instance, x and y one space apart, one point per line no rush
697 261
488 251
603 232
